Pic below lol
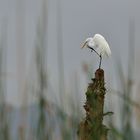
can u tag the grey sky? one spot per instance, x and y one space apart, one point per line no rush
80 19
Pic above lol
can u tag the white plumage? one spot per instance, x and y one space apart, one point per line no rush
99 44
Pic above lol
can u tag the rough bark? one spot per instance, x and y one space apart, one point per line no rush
91 127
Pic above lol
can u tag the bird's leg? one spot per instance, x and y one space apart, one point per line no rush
97 54
100 61
93 50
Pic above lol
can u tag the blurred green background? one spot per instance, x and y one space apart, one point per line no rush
44 74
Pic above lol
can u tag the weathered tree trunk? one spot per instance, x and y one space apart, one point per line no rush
92 128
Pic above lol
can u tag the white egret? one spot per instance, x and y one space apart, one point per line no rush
99 45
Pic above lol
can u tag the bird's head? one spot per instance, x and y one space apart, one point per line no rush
88 43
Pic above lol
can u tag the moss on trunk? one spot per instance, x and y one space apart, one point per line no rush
92 128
